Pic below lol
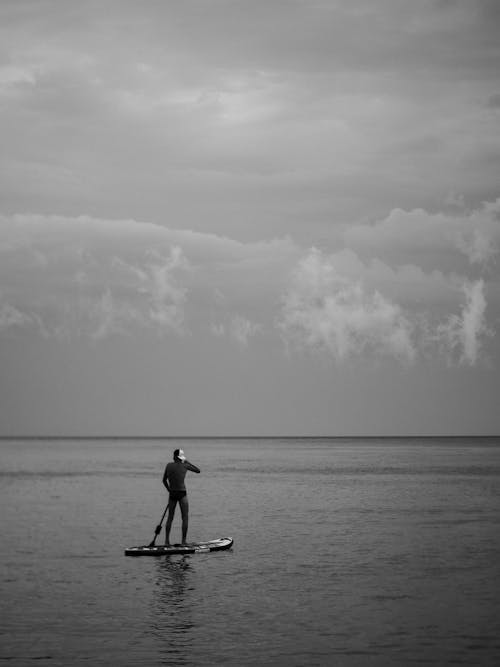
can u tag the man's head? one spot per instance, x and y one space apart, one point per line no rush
179 455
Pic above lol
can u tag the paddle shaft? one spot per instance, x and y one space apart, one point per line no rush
158 527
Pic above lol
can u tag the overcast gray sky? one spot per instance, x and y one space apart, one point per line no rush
249 217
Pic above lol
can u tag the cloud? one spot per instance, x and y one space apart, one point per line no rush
109 317
238 328
69 277
326 311
89 277
243 329
149 298
86 239
278 124
423 237
166 298
95 277
135 298
11 317
463 334
480 238
478 245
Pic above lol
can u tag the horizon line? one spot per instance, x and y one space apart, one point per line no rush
243 437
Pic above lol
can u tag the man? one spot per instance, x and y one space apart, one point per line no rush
173 479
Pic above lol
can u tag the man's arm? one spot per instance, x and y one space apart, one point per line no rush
191 466
165 480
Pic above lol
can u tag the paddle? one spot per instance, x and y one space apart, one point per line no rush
158 528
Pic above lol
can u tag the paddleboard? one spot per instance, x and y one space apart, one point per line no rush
192 548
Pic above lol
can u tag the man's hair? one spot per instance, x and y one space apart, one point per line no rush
176 453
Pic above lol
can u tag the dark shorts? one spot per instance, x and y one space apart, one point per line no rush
177 495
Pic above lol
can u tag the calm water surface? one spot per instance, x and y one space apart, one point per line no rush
347 552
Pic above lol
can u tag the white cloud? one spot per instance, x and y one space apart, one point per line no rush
326 311
242 329
477 246
167 299
480 238
110 317
12 317
238 328
70 277
85 239
134 297
425 236
96 278
463 334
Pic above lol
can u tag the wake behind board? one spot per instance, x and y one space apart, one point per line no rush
191 548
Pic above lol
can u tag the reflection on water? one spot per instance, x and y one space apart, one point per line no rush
171 618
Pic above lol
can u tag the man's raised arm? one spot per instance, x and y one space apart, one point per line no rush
191 466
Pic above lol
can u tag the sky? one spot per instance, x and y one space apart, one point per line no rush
245 217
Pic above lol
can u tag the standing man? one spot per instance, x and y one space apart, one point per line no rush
173 479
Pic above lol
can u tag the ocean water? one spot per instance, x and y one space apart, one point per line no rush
347 552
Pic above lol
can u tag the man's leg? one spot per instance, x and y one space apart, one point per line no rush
171 511
184 505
